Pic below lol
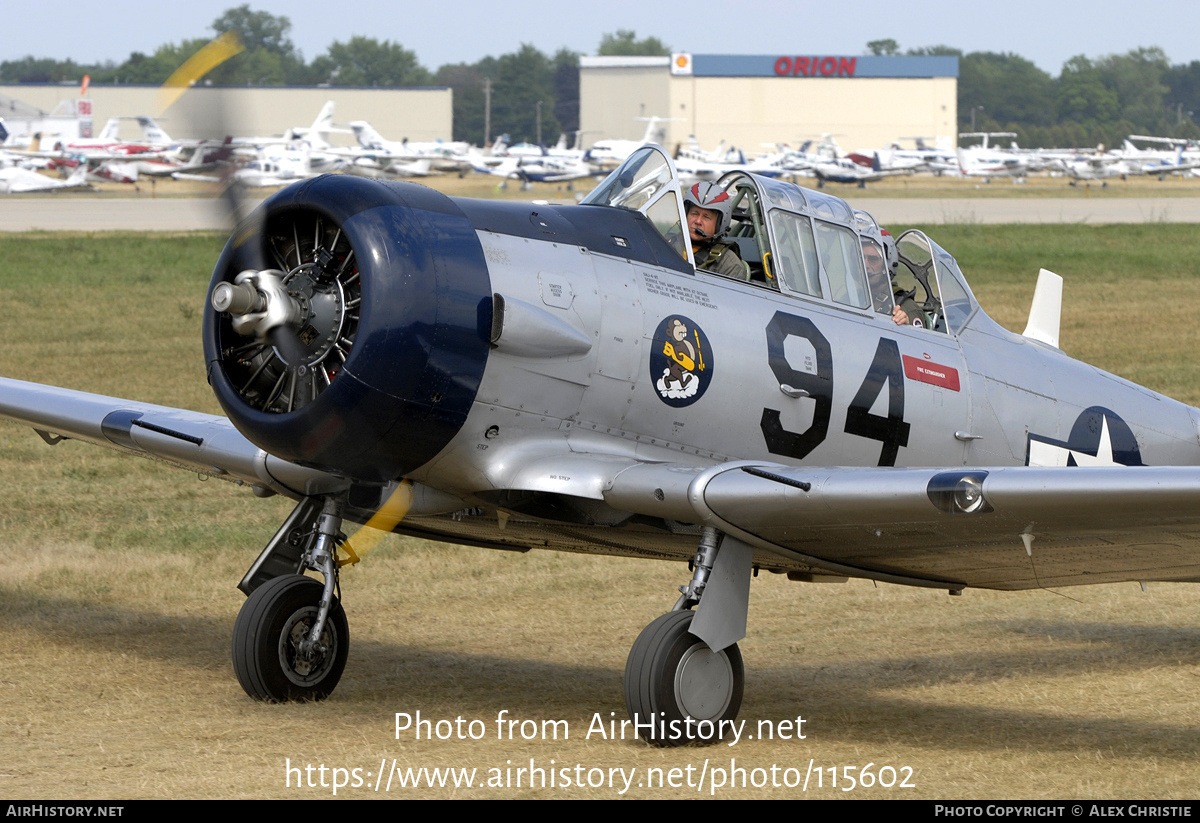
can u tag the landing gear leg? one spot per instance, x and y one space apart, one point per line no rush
684 676
291 638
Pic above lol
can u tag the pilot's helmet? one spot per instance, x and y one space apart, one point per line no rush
713 197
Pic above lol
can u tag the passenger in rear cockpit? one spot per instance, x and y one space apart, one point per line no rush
880 270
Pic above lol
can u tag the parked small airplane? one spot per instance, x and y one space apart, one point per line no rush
366 166
1160 167
988 162
1129 161
443 157
1088 168
851 171
514 375
938 158
609 152
109 137
17 180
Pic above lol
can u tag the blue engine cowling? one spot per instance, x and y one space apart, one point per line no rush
381 370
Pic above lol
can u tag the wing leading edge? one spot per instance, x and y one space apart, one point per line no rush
1000 528
203 443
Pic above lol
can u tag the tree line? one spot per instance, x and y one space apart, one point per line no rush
527 88
1092 101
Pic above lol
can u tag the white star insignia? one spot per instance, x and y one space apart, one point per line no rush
1051 455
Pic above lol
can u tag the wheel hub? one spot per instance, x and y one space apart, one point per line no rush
303 669
704 683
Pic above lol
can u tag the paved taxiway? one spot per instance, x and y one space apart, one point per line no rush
186 214
55 213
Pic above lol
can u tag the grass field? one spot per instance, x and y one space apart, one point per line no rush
117 595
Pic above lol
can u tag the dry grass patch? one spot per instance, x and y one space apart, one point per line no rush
127 692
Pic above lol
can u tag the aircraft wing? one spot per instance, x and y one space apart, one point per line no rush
203 443
1001 528
1151 171
202 178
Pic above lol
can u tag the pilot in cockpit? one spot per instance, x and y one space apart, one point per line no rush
880 270
709 210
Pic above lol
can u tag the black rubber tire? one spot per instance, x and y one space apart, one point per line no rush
638 702
273 617
671 676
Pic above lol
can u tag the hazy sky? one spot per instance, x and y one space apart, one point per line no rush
1044 31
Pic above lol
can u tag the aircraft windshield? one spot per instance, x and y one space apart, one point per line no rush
957 300
932 277
644 183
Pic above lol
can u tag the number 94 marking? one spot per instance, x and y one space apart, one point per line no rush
886 367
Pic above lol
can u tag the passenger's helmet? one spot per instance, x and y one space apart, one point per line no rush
713 197
891 255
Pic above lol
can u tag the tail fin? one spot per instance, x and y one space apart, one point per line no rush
79 176
111 130
366 135
321 127
153 132
324 121
651 135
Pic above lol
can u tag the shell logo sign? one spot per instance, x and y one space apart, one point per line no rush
681 63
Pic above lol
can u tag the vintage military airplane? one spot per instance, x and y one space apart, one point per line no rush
514 375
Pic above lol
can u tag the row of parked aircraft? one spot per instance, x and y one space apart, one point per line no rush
304 152
825 161
83 161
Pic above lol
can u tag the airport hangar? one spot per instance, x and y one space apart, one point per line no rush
750 100
420 114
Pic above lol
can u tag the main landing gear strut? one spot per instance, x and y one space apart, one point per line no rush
291 638
683 680
684 676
